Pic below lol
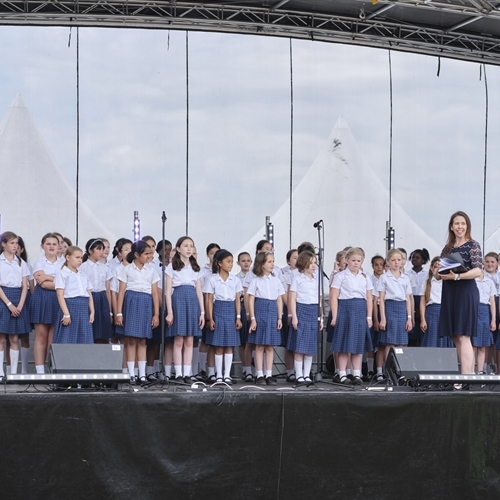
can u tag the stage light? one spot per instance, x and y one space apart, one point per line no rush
137 226
269 231
391 238
53 378
435 378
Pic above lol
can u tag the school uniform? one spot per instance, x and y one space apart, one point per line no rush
352 334
224 310
244 322
11 277
416 280
431 337
396 290
484 337
185 304
304 339
266 290
76 286
373 333
156 338
44 307
138 303
97 273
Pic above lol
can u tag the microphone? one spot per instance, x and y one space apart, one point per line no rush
316 224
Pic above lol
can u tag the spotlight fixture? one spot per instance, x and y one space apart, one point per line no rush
269 230
137 226
391 238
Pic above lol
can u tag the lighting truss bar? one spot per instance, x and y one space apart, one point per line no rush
458 379
396 32
53 378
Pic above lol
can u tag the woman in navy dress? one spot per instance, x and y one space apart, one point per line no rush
460 296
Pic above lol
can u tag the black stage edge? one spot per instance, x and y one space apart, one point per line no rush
255 445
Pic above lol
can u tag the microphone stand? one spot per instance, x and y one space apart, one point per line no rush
319 358
163 297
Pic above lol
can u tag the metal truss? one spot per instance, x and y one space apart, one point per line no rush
460 29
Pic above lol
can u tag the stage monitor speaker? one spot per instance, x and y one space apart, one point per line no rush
86 358
408 362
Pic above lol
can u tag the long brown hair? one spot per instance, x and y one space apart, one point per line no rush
427 292
6 237
451 235
177 263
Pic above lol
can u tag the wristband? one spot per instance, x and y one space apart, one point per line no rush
202 313
252 318
9 304
290 315
409 316
111 314
238 316
119 314
368 317
66 316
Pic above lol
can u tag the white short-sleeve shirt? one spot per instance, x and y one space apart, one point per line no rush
223 290
138 280
436 290
351 286
266 287
486 290
306 288
394 288
74 284
416 280
11 273
186 276
48 268
96 272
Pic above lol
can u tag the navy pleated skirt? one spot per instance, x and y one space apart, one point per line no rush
8 323
137 315
79 331
395 330
266 316
459 308
352 333
304 340
225 333
484 337
102 327
44 307
186 310
431 337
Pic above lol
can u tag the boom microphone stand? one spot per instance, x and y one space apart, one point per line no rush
163 297
319 358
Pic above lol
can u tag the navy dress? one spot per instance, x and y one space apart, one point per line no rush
460 299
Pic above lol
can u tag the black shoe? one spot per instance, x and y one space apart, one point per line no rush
133 380
152 377
357 380
142 380
300 381
248 377
345 380
229 380
179 379
211 379
336 378
260 380
201 376
271 381
350 377
291 378
308 380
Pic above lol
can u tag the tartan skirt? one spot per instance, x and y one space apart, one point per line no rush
395 330
304 340
225 333
186 310
44 307
79 331
137 315
431 337
8 323
101 326
484 337
266 316
352 333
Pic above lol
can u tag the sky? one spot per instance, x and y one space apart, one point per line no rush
133 125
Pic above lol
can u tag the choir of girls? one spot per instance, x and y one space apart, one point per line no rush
75 296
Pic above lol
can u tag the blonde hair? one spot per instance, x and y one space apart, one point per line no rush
70 251
355 251
394 251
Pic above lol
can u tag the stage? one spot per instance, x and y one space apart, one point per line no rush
322 441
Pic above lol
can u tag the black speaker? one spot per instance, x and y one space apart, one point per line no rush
408 362
86 358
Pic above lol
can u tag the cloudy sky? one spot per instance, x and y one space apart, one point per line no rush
133 124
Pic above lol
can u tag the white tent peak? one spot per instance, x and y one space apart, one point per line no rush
341 189
18 101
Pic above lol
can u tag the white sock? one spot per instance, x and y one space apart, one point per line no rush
40 369
14 360
369 364
379 370
218 365
7 369
187 370
202 360
149 370
156 366
349 371
356 373
307 365
194 362
228 361
142 368
211 371
269 373
342 373
247 370
2 357
178 370
290 372
260 373
25 352
124 370
168 371
136 371
298 369
130 367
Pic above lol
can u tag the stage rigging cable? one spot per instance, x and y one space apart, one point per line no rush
291 140
187 132
483 66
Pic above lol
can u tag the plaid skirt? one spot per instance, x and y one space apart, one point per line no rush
186 309
44 307
351 328
8 323
395 330
304 340
266 316
431 337
101 326
79 331
225 333
484 337
137 315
